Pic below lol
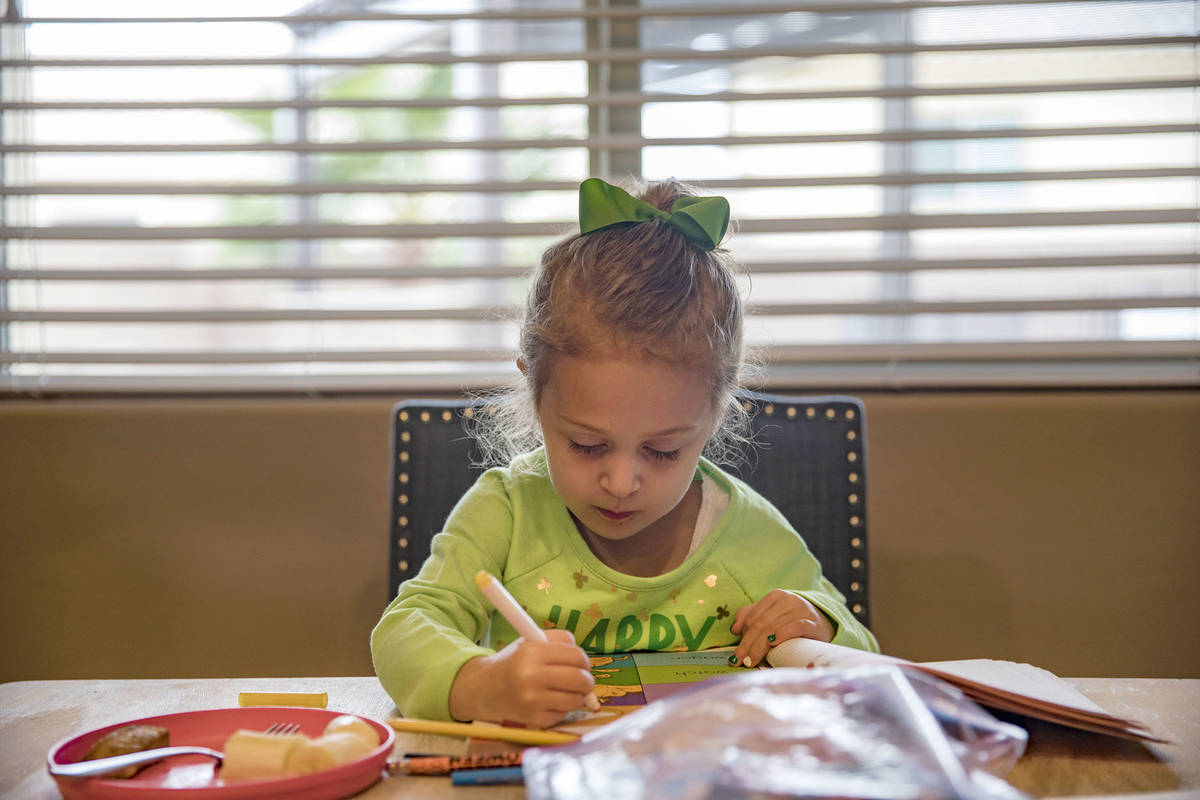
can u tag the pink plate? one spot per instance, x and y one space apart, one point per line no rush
196 776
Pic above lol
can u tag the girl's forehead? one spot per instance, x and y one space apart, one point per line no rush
626 392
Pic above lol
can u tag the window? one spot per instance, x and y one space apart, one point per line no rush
345 195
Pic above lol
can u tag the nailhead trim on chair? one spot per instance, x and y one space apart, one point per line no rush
825 413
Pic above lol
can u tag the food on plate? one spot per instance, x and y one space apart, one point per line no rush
253 754
327 751
356 725
128 739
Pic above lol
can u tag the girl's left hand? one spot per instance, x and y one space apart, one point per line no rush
776 618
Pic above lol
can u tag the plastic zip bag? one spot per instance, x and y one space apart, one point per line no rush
865 732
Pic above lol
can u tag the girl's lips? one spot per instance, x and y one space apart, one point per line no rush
616 516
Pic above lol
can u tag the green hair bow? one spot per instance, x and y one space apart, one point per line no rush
702 220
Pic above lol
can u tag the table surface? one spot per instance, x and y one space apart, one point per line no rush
1059 762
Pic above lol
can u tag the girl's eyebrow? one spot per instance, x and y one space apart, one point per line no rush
593 429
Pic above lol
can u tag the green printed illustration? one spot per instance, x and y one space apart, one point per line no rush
635 679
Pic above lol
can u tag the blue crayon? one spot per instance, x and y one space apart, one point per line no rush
488 775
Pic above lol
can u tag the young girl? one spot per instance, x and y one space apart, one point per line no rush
615 534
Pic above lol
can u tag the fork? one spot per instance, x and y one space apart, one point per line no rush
103 766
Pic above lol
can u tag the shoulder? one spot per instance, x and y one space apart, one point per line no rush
755 542
515 504
526 477
748 510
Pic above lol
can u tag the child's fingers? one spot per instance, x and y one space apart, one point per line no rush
756 642
739 619
765 608
570 679
545 695
777 617
566 650
750 651
563 691
560 635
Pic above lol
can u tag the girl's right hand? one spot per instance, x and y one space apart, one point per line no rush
533 683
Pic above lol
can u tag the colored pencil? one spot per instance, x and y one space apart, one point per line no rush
483 777
444 765
307 699
481 730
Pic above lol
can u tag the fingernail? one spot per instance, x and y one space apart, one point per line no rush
771 637
733 659
746 662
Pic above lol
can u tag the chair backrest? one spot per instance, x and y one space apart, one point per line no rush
810 462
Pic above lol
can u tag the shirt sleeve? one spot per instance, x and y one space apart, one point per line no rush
772 556
433 626
847 630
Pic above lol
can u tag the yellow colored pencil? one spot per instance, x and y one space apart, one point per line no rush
481 730
309 699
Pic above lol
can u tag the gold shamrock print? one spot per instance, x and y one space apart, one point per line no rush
548 624
545 585
711 580
613 588
722 612
631 596
644 615
593 611
674 595
580 578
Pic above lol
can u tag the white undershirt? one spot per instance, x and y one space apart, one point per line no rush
713 502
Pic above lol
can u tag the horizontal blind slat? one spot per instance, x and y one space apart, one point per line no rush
258 357
776 354
615 56
602 12
500 314
912 307
893 375
893 179
602 142
1159 216
509 272
598 99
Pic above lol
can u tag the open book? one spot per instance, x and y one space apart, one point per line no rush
1004 685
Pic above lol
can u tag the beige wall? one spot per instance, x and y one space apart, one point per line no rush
249 537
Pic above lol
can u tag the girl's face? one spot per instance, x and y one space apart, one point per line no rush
623 435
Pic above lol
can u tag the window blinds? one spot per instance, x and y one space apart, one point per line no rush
346 195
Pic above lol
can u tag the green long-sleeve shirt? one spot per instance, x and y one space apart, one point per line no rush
513 524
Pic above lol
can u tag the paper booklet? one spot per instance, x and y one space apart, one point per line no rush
1004 685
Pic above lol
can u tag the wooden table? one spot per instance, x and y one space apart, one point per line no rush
1058 762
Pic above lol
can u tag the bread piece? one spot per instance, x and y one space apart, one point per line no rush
348 723
128 739
327 751
253 755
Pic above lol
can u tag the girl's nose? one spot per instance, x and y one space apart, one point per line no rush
620 477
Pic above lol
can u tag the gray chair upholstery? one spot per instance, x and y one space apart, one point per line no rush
810 462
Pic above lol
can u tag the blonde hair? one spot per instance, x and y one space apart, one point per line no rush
641 287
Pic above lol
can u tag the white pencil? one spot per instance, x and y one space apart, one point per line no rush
517 617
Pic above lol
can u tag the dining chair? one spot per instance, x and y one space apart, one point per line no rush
809 460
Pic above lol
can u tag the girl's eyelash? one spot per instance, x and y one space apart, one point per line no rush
592 449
